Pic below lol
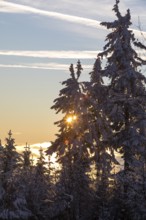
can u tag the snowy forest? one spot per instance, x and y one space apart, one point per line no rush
100 146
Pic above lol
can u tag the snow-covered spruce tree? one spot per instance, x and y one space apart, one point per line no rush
1 157
40 165
126 109
12 200
72 149
26 158
101 135
11 157
38 192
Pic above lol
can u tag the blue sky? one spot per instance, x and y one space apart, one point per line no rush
38 41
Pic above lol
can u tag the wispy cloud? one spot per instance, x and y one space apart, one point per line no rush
56 54
17 8
33 66
35 149
44 145
35 146
10 7
43 66
52 54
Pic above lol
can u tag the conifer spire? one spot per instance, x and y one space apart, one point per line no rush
79 69
95 75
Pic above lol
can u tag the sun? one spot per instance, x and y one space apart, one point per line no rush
71 119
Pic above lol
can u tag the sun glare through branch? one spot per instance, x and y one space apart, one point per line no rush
70 119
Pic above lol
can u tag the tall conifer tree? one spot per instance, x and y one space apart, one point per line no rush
126 107
72 145
13 203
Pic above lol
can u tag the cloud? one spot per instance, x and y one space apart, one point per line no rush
55 54
34 66
44 145
17 8
35 151
43 66
34 147
52 54
10 7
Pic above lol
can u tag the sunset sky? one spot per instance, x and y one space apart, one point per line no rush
38 41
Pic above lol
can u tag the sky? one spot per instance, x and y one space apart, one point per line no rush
38 42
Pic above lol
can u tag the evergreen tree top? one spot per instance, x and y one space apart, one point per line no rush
10 142
119 50
122 21
71 89
96 73
26 156
40 165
